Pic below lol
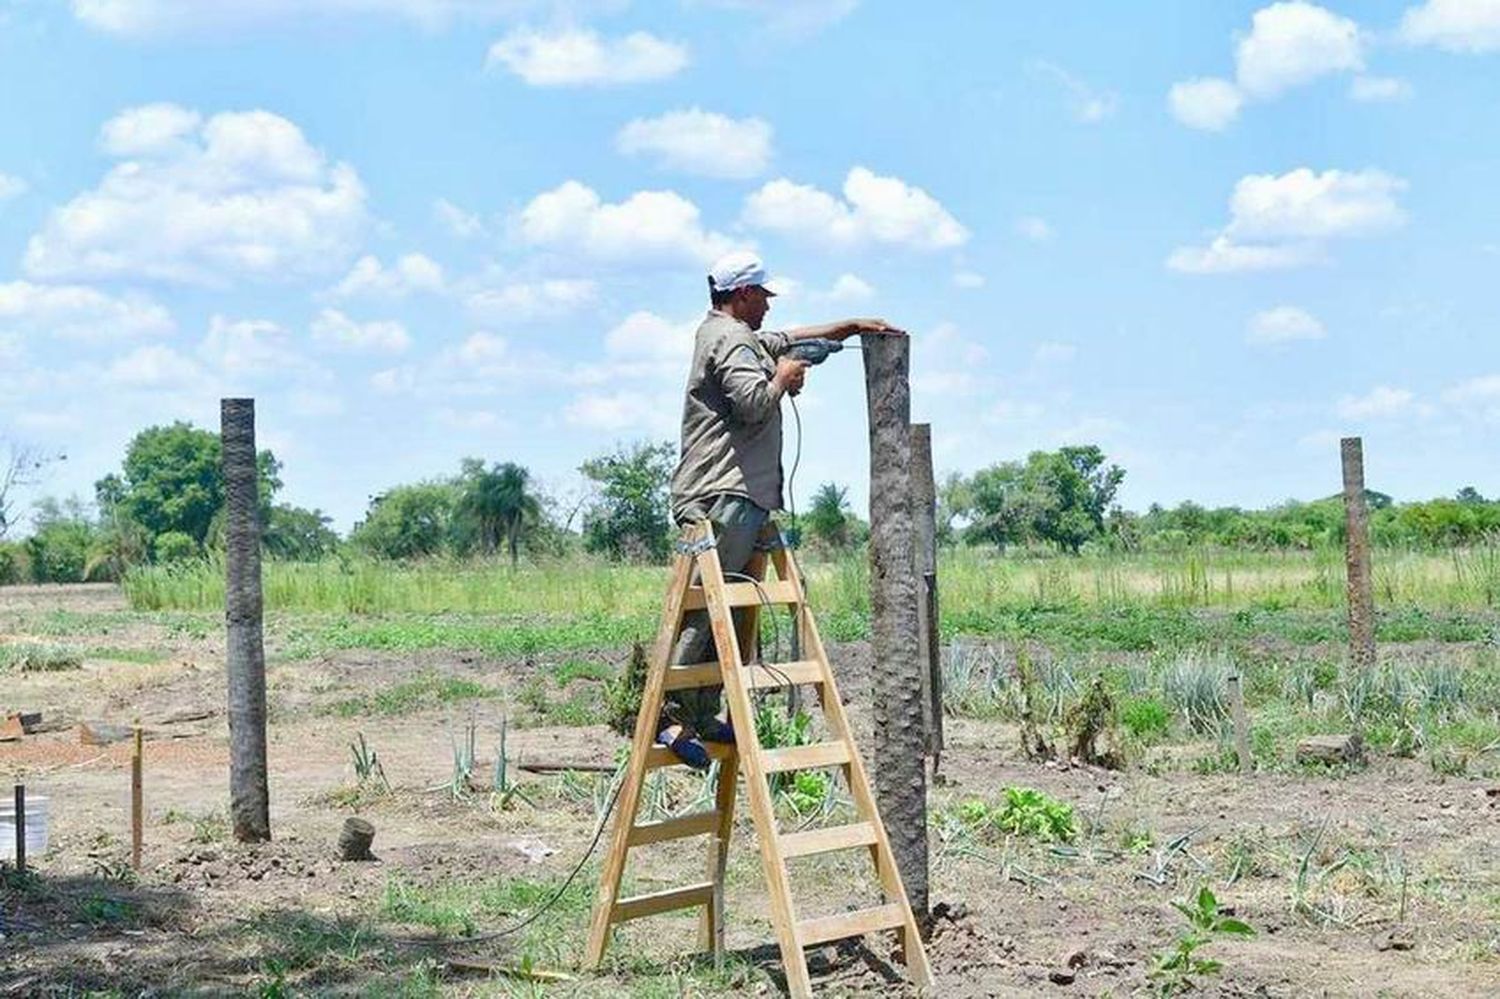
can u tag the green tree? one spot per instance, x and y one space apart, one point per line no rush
1058 497
629 516
408 521
498 502
171 480
828 519
298 535
58 549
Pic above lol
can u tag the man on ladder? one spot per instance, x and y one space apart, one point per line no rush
729 472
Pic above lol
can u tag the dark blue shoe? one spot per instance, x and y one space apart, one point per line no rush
687 749
718 731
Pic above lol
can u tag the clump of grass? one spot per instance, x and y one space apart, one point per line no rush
622 693
1146 719
1194 684
143 657
30 657
424 690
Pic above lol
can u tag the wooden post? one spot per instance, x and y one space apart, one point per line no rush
924 515
136 801
896 698
20 828
1357 556
249 795
1241 724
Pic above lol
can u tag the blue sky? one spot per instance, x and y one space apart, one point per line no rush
1211 238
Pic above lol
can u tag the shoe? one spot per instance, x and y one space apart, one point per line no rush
687 748
718 731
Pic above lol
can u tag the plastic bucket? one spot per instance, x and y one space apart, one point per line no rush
36 827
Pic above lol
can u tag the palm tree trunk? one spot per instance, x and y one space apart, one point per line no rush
513 537
249 795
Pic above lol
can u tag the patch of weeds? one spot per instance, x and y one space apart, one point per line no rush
808 791
143 657
1195 686
30 657
566 672
1137 840
1176 968
453 907
1090 725
367 767
1222 761
424 690
1025 812
622 692
210 827
102 910
579 709
1146 719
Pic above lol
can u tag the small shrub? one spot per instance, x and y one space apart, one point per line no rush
1177 967
1145 718
171 547
1091 727
1025 812
622 693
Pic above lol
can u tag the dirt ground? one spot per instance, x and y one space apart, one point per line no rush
1384 881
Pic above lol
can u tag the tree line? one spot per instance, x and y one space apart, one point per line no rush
166 505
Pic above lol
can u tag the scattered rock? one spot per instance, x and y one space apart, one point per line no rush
1062 976
1077 959
533 850
1393 940
1330 749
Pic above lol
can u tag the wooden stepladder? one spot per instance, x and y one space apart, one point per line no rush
698 582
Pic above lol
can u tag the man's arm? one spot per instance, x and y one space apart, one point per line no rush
752 393
843 329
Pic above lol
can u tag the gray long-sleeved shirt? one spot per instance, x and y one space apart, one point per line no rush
731 419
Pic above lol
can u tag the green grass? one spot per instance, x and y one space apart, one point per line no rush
33 657
422 691
143 657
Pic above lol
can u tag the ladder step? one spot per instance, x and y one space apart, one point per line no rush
682 826
757 676
849 924
661 756
819 754
774 592
801 844
662 901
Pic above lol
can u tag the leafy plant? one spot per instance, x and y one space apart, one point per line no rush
504 788
622 693
1176 967
367 766
1025 812
1145 718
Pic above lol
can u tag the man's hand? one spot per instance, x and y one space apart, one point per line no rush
854 327
790 374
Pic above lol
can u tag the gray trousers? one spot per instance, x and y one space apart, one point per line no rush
737 523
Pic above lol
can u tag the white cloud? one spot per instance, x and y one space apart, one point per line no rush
1294 43
1483 389
334 329
241 194
848 289
153 367
622 411
537 300
1283 324
648 225
149 18
579 57
1302 204
875 209
1289 45
646 335
804 17
968 279
413 272
460 223
250 347
1034 228
1208 103
1222 256
466 419
78 312
1455 25
701 142
1372 89
1087 104
11 187
1280 221
1380 401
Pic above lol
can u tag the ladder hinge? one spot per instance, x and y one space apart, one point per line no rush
693 549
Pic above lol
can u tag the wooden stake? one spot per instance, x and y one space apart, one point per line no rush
20 828
1241 724
137 762
1357 556
924 527
896 688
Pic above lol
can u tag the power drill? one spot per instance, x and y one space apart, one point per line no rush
814 351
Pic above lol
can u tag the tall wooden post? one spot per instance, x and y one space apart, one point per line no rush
924 515
1357 556
249 795
896 700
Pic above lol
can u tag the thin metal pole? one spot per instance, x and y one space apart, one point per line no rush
20 828
136 832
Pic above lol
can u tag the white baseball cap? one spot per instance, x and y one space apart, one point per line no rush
741 269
